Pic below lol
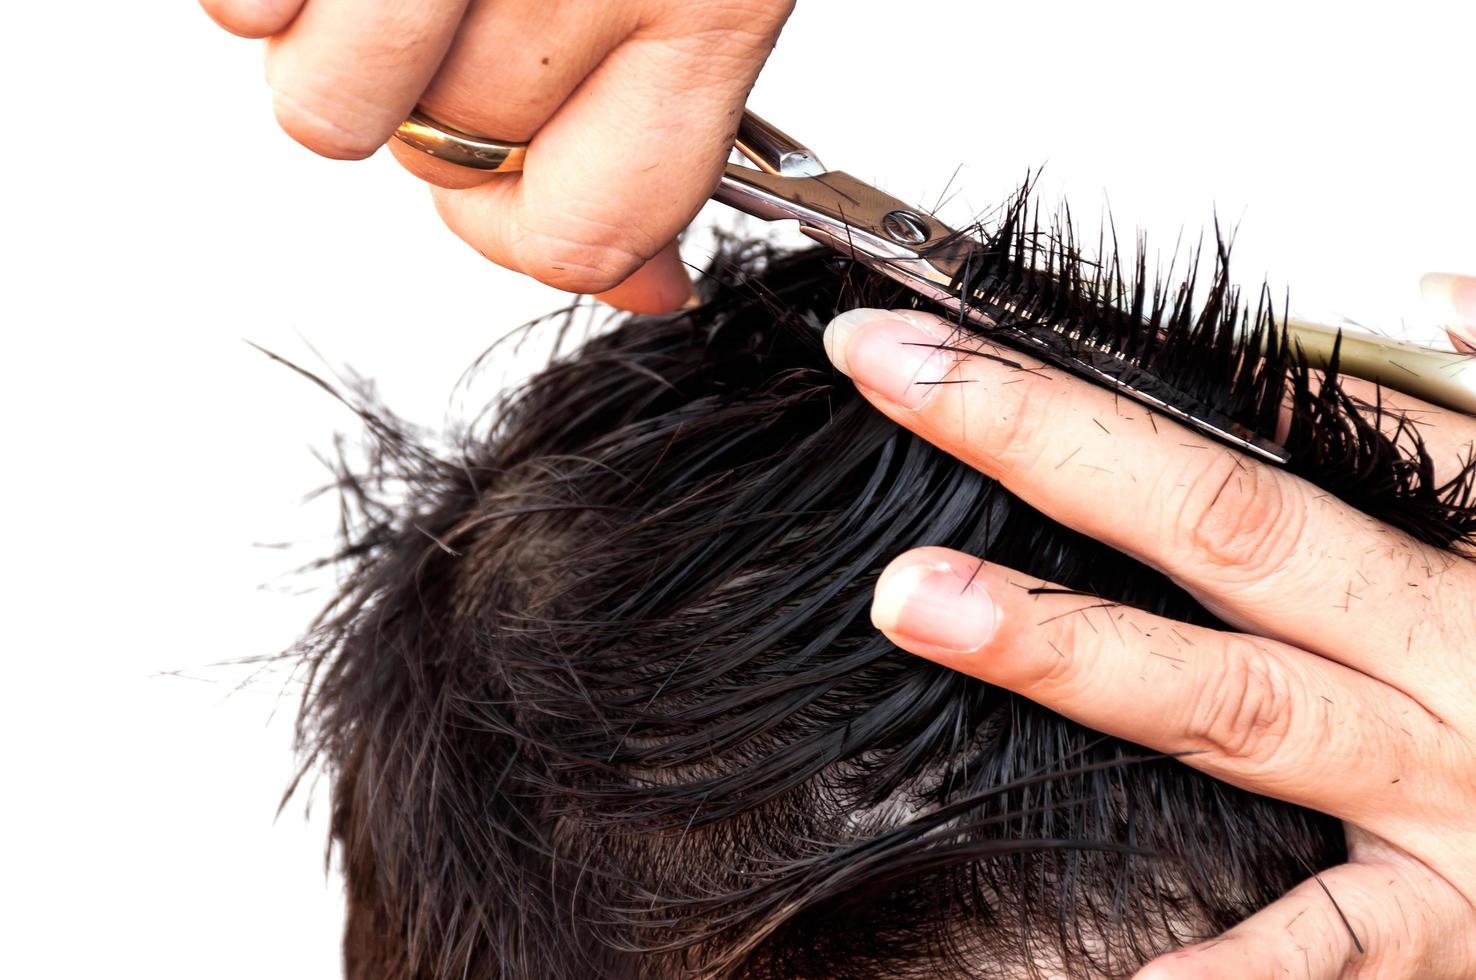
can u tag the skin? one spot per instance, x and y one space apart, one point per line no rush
1349 687
1347 690
1455 297
630 108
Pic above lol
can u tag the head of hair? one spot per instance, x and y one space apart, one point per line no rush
599 696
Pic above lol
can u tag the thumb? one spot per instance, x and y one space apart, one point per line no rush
659 286
1390 918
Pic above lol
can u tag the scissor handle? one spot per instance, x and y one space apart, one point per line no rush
769 149
773 151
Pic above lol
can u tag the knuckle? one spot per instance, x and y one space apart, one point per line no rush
1241 518
1247 713
744 18
1452 620
1020 436
578 265
330 127
1009 425
244 18
1071 640
1400 937
1166 967
1265 961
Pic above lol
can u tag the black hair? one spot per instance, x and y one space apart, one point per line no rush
599 696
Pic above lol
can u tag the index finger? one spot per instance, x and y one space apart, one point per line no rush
1260 548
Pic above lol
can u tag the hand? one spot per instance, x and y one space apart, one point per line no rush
1454 298
1359 701
630 107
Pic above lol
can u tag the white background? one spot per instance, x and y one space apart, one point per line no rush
153 217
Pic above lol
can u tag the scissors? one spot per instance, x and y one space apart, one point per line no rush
911 246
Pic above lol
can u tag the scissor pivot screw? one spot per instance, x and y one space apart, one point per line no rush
905 227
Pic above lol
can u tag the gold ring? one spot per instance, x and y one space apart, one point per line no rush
462 149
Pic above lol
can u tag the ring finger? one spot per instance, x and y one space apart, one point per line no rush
510 67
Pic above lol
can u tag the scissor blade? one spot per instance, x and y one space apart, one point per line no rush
849 214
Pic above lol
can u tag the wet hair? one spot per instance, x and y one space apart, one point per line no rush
599 696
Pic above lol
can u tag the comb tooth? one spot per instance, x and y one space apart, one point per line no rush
1074 334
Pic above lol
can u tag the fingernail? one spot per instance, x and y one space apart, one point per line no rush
936 605
895 357
1451 295
694 300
